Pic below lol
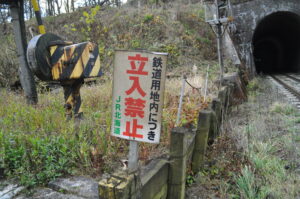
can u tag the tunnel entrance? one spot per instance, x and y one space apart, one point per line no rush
276 43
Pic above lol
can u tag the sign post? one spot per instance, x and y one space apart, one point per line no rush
133 156
139 81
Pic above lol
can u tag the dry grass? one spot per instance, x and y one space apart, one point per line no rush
187 38
258 157
30 135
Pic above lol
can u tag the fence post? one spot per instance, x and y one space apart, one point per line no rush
222 96
201 139
120 185
178 161
215 121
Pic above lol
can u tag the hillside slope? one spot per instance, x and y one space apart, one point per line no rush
183 34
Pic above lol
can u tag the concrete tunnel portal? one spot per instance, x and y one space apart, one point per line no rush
276 43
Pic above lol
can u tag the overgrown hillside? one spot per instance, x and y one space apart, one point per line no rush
37 144
183 34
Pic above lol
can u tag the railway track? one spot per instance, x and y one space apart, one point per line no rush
290 85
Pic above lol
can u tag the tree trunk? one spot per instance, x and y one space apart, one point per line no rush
73 5
67 6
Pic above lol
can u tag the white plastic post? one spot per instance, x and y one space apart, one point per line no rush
206 82
180 100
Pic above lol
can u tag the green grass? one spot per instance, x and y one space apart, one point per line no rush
258 156
37 144
281 108
270 149
268 157
248 186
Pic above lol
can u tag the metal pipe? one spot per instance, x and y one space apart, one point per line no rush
219 42
220 54
133 156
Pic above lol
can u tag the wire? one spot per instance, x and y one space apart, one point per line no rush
199 88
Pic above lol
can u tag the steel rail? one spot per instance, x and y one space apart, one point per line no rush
286 86
293 78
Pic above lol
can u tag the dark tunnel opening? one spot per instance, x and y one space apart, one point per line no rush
276 44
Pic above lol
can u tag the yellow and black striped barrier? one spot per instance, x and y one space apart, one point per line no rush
51 58
75 61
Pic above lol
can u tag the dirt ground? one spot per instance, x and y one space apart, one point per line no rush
257 154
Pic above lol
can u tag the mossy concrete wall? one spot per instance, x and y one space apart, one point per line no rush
154 179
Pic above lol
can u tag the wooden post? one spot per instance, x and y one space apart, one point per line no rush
178 161
217 116
201 140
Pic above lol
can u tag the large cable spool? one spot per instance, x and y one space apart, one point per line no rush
38 55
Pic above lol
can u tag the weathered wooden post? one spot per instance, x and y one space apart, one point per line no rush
201 139
178 161
215 119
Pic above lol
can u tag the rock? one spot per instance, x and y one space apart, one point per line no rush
239 90
9 191
47 193
81 186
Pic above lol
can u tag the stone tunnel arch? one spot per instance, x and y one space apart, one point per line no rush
276 43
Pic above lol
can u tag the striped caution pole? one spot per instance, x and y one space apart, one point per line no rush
73 99
77 99
38 16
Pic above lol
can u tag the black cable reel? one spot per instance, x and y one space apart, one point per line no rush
51 58
38 55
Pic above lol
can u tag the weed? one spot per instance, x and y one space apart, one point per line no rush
254 87
135 44
89 19
8 61
248 186
147 18
282 108
190 179
37 144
